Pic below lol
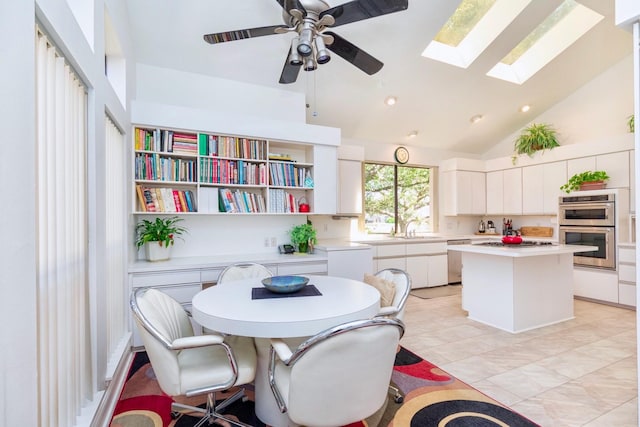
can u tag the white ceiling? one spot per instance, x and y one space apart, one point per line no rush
435 99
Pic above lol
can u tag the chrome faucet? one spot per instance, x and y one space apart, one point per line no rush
408 233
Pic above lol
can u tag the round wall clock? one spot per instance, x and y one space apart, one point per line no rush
402 155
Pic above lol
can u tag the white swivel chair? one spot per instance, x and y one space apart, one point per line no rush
244 270
337 377
402 282
186 364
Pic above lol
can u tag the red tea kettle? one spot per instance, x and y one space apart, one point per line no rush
303 206
512 238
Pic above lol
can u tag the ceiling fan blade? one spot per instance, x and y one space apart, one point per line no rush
293 4
358 10
229 36
353 54
289 71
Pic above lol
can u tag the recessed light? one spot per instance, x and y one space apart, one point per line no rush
412 134
476 118
525 108
391 100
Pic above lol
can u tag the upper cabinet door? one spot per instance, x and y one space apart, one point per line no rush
513 191
464 193
554 176
617 167
495 193
349 187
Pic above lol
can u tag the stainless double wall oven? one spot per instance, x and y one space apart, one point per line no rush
590 220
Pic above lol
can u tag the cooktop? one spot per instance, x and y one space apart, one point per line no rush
525 243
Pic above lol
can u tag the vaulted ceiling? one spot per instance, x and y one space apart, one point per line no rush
434 98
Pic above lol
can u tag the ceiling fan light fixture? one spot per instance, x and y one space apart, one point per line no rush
322 54
305 41
310 64
294 56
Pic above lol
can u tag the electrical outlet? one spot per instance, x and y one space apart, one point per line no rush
266 242
274 242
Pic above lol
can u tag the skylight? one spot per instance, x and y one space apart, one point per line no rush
558 31
472 27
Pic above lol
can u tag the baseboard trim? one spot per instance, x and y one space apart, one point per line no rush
104 412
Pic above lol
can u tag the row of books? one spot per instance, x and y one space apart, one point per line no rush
281 201
240 201
162 199
158 168
166 141
221 171
289 175
229 146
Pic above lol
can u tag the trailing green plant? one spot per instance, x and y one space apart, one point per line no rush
631 123
303 233
536 137
163 230
580 178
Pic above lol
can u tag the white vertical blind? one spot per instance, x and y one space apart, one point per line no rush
65 372
116 298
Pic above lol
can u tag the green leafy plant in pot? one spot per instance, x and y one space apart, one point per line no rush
158 236
303 234
535 137
588 180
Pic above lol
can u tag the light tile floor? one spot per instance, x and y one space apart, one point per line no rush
582 372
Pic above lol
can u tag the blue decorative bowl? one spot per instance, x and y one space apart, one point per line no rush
285 284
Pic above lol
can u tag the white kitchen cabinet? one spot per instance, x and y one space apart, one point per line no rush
627 274
390 256
632 182
512 191
617 167
438 270
495 193
349 187
349 262
595 284
426 264
580 165
465 193
541 188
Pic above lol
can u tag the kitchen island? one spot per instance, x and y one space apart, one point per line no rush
517 288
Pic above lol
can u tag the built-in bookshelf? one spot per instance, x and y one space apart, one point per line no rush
177 171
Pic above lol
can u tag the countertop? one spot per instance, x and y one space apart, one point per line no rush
516 251
213 261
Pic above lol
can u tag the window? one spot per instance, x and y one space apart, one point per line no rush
396 197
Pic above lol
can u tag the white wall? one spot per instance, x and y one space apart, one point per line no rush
18 305
597 110
173 87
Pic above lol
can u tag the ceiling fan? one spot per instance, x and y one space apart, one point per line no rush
310 20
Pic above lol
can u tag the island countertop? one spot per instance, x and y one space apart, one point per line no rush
517 251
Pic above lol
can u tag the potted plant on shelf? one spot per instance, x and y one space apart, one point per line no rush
588 180
158 236
303 235
631 123
535 137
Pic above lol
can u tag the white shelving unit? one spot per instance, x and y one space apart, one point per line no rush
190 172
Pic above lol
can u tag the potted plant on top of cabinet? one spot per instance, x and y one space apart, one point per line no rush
158 236
588 180
535 137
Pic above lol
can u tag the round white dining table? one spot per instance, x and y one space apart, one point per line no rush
229 308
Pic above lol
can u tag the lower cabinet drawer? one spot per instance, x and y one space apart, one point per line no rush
303 268
165 278
627 273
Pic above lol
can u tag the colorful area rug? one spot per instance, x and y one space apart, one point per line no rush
432 398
